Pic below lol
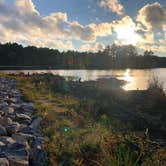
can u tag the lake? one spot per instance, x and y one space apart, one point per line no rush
136 78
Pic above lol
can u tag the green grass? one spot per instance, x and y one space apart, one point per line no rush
73 136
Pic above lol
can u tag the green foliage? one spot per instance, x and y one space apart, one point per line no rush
115 56
79 132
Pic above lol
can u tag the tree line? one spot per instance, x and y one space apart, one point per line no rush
115 56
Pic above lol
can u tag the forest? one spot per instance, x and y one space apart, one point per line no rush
13 55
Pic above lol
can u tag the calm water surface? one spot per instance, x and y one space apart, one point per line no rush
136 79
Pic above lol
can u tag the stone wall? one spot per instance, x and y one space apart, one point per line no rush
20 141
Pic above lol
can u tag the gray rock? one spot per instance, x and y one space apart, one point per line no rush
2 144
5 121
17 161
3 131
35 125
11 100
8 110
28 112
15 105
28 106
4 162
38 157
6 140
16 153
16 122
23 138
38 141
22 118
3 104
13 128
27 130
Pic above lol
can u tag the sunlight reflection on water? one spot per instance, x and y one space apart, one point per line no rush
136 79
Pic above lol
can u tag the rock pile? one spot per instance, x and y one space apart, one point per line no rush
20 141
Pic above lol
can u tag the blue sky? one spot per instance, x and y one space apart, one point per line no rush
84 25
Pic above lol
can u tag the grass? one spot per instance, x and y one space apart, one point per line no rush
73 136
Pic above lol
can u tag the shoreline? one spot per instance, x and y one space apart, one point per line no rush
61 68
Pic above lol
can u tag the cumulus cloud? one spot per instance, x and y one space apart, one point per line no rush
152 16
22 22
95 47
81 32
114 5
102 29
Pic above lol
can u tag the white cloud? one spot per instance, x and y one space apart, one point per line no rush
95 47
22 23
152 16
114 5
102 29
78 31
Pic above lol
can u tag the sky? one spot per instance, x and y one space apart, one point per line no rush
85 25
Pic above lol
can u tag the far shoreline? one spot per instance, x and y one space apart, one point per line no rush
61 68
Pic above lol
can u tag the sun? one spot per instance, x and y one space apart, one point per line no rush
127 35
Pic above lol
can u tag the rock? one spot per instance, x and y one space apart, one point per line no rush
17 129
28 130
4 162
38 157
18 149
2 144
39 141
35 125
5 121
22 118
28 106
13 128
11 100
6 140
17 161
3 131
16 153
8 110
3 104
23 138
15 105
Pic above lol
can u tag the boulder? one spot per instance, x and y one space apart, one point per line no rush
16 153
6 140
8 110
13 128
17 161
2 144
3 131
38 157
38 141
15 105
36 123
28 106
4 121
28 130
4 162
23 138
22 118
3 104
11 100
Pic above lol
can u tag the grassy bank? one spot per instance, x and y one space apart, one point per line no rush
85 124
